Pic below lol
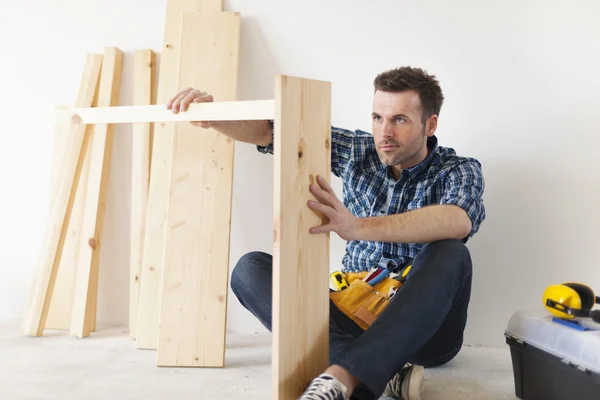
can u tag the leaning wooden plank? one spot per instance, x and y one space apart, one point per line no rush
300 259
57 317
91 313
59 143
59 313
86 283
60 209
145 73
195 285
216 111
160 175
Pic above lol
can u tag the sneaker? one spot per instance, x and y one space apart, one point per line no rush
406 384
324 387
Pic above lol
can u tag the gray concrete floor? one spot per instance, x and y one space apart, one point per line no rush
107 366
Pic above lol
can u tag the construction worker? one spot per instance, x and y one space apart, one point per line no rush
407 200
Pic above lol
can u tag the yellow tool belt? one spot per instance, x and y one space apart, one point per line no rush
362 302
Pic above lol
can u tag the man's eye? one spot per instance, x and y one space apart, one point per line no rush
400 120
377 118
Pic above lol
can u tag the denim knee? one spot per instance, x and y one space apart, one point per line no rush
449 245
245 269
448 257
452 249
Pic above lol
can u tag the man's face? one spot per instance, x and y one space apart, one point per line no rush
400 137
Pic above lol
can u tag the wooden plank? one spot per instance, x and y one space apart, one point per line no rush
300 259
57 318
158 193
59 143
195 286
86 283
61 208
91 312
59 313
144 79
216 111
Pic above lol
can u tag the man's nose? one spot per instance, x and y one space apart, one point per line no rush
387 130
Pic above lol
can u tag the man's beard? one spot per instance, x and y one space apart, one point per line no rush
405 153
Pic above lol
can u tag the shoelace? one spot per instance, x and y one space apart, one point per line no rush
395 385
323 389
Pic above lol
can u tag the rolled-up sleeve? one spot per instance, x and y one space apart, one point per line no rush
268 149
464 187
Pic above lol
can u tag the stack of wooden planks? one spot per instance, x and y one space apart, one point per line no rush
73 234
181 202
181 195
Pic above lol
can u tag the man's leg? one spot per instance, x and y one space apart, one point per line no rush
448 340
424 322
251 282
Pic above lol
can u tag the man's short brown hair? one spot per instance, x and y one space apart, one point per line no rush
409 78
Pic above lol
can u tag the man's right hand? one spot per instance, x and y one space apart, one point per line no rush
257 132
182 100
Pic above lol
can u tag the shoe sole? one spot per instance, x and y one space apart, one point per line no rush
415 383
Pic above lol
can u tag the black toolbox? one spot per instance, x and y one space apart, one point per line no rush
551 360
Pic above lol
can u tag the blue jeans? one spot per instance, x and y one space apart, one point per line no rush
423 324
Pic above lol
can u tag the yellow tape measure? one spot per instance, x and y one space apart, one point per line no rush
338 281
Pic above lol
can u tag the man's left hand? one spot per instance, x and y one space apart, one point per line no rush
341 220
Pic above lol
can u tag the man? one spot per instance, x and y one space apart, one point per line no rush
407 200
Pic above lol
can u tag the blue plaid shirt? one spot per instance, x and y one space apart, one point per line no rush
369 189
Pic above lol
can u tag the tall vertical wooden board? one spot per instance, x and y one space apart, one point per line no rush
144 79
195 284
86 283
158 195
60 209
300 260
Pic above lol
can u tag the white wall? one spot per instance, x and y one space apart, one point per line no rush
521 87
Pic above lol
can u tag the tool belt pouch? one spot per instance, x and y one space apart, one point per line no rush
362 302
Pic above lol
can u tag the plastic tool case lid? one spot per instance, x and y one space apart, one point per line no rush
536 328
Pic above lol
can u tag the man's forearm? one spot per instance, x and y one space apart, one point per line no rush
256 132
423 225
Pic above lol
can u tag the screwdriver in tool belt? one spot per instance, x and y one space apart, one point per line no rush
377 276
404 275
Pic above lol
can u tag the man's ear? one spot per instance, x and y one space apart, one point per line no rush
431 125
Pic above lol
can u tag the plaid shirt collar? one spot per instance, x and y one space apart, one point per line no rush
413 173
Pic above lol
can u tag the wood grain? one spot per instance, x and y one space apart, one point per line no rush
83 317
59 312
300 259
61 207
217 111
160 173
143 94
195 287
